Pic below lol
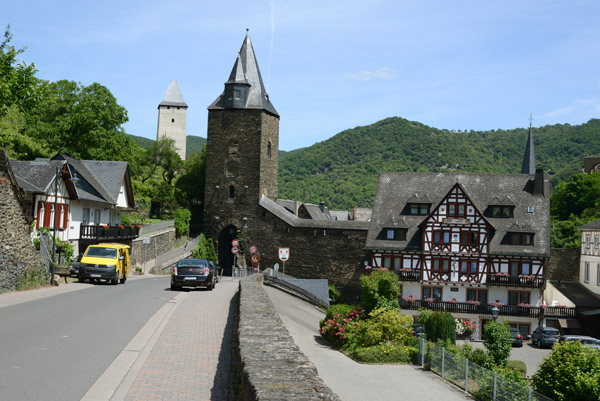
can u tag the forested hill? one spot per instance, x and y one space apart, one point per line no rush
193 144
344 170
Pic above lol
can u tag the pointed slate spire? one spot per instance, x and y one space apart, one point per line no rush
173 96
244 89
529 163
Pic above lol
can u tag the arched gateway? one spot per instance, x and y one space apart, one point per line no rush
226 235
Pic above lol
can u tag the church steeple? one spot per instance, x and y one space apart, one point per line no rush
529 163
244 89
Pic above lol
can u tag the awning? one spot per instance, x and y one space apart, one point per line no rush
590 312
569 323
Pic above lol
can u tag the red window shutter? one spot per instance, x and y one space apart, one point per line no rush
47 213
39 211
66 216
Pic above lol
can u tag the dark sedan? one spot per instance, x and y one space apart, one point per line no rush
517 338
74 266
193 273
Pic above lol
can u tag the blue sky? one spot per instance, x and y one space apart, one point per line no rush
329 65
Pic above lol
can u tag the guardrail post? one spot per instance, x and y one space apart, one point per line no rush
530 393
495 382
444 360
466 375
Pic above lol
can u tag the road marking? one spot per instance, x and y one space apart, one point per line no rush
116 380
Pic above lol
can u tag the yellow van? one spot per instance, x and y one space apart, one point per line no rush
107 262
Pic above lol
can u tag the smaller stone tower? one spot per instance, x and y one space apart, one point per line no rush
172 116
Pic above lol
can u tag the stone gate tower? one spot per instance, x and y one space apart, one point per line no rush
241 153
172 116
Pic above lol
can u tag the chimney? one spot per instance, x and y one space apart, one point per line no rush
538 182
322 206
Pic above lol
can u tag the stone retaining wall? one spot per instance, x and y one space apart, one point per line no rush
272 366
17 253
160 243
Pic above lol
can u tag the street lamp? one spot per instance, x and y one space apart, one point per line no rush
495 312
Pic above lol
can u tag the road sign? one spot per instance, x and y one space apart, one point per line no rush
235 242
255 259
253 249
284 254
235 250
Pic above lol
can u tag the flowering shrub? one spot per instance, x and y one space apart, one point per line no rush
496 303
501 274
465 327
429 299
473 302
524 305
121 226
452 301
409 299
340 329
380 289
367 267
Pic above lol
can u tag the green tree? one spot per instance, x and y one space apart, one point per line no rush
570 372
573 197
18 83
182 222
380 289
441 326
205 249
14 141
498 341
189 188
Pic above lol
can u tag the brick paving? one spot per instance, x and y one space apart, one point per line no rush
193 359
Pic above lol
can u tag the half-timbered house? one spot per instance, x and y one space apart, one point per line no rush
465 243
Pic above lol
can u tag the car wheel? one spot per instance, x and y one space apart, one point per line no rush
123 280
539 345
211 285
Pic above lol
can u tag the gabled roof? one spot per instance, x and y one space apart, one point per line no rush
577 293
395 189
594 225
294 221
173 96
246 72
315 212
35 175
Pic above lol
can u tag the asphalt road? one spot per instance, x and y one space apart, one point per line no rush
55 348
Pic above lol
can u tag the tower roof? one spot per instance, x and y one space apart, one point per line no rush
246 73
173 96
529 163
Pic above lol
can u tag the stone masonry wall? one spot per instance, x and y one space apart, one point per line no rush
272 366
563 264
160 243
17 253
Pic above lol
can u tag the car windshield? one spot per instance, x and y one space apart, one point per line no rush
101 252
551 332
192 263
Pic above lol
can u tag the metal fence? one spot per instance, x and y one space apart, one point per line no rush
152 228
483 383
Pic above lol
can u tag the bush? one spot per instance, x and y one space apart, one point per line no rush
498 341
340 325
182 222
205 249
570 372
441 326
334 294
380 289
32 278
518 366
385 325
385 353
423 316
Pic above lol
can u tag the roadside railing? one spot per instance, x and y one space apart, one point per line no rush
177 253
484 384
300 292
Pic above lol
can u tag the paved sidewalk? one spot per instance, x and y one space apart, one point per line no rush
193 358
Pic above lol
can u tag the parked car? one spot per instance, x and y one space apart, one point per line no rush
585 340
545 337
108 262
193 273
74 266
418 330
517 338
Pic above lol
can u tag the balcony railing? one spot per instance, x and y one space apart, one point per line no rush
496 280
486 309
108 232
409 275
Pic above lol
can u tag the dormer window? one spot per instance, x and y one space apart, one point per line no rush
521 239
395 234
419 209
237 93
502 211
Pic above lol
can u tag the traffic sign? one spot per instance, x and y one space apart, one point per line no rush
253 249
284 254
255 259
235 250
235 242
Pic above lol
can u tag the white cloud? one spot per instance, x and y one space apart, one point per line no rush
581 108
382 73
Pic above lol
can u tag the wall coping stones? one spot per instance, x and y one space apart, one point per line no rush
272 365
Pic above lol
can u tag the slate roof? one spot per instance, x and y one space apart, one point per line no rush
173 96
577 293
246 72
315 212
395 189
594 225
35 175
294 221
